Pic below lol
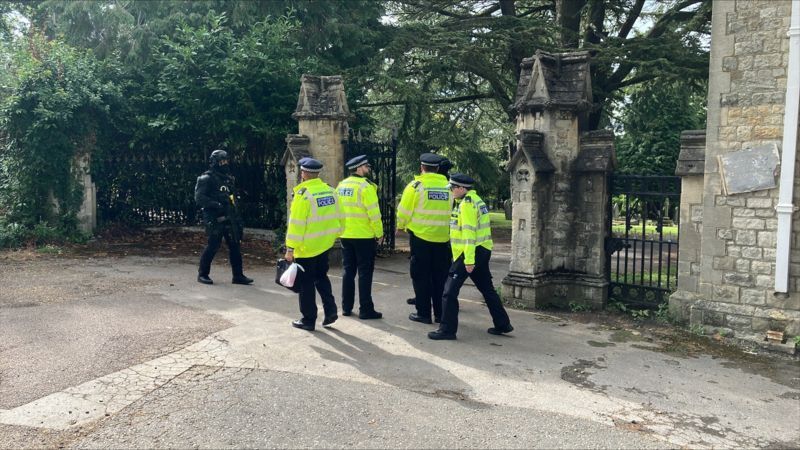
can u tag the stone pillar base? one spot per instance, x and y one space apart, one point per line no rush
555 289
680 305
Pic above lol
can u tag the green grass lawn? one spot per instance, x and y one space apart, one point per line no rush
498 220
619 230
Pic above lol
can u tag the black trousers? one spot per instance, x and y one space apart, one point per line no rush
429 263
315 278
482 278
358 256
215 237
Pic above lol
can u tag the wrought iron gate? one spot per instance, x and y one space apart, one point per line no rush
383 160
642 247
153 189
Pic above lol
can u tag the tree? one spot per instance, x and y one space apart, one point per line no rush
651 123
487 40
54 112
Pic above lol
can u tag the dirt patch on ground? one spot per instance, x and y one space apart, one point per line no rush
120 242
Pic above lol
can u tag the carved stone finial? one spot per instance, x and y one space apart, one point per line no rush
554 81
321 97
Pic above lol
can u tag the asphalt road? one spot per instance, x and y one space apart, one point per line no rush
133 353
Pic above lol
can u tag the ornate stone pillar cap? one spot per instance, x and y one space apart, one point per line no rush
692 158
554 81
596 152
531 149
296 148
321 97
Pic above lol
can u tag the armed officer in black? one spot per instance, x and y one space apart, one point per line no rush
216 194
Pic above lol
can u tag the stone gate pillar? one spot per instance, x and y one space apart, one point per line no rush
322 115
559 187
691 169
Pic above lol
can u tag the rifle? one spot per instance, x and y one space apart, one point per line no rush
232 212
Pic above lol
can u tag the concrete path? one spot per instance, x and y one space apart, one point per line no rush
167 362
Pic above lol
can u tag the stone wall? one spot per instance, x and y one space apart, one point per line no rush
731 286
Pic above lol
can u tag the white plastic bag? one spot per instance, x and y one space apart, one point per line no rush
288 278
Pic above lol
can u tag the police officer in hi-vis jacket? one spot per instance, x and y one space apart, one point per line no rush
471 242
363 228
424 212
314 224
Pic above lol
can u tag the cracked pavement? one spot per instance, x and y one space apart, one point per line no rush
132 352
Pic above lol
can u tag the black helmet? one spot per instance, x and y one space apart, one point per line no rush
217 156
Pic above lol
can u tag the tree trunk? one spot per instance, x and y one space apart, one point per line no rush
568 16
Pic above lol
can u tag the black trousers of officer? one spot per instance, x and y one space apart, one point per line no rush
315 279
429 263
215 236
482 278
358 256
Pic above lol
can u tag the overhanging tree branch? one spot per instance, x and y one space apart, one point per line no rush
439 101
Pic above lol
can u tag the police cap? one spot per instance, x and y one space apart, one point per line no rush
445 165
430 159
310 165
356 162
459 179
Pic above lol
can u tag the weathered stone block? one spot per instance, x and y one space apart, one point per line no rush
753 296
725 234
748 224
739 322
729 63
743 212
765 281
761 267
767 238
723 263
727 294
738 279
746 237
743 265
713 318
734 201
767 132
759 203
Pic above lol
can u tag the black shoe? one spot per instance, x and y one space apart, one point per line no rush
440 335
501 330
369 315
241 279
421 319
302 325
411 301
347 313
204 279
329 320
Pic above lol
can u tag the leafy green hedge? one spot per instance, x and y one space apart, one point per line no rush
48 117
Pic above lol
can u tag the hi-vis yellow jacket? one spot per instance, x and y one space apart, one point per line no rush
469 227
358 198
314 219
424 208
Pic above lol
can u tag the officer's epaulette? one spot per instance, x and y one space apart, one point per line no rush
301 191
468 199
416 184
372 183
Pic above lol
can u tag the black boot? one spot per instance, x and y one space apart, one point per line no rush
440 335
500 330
366 315
241 279
204 279
303 325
